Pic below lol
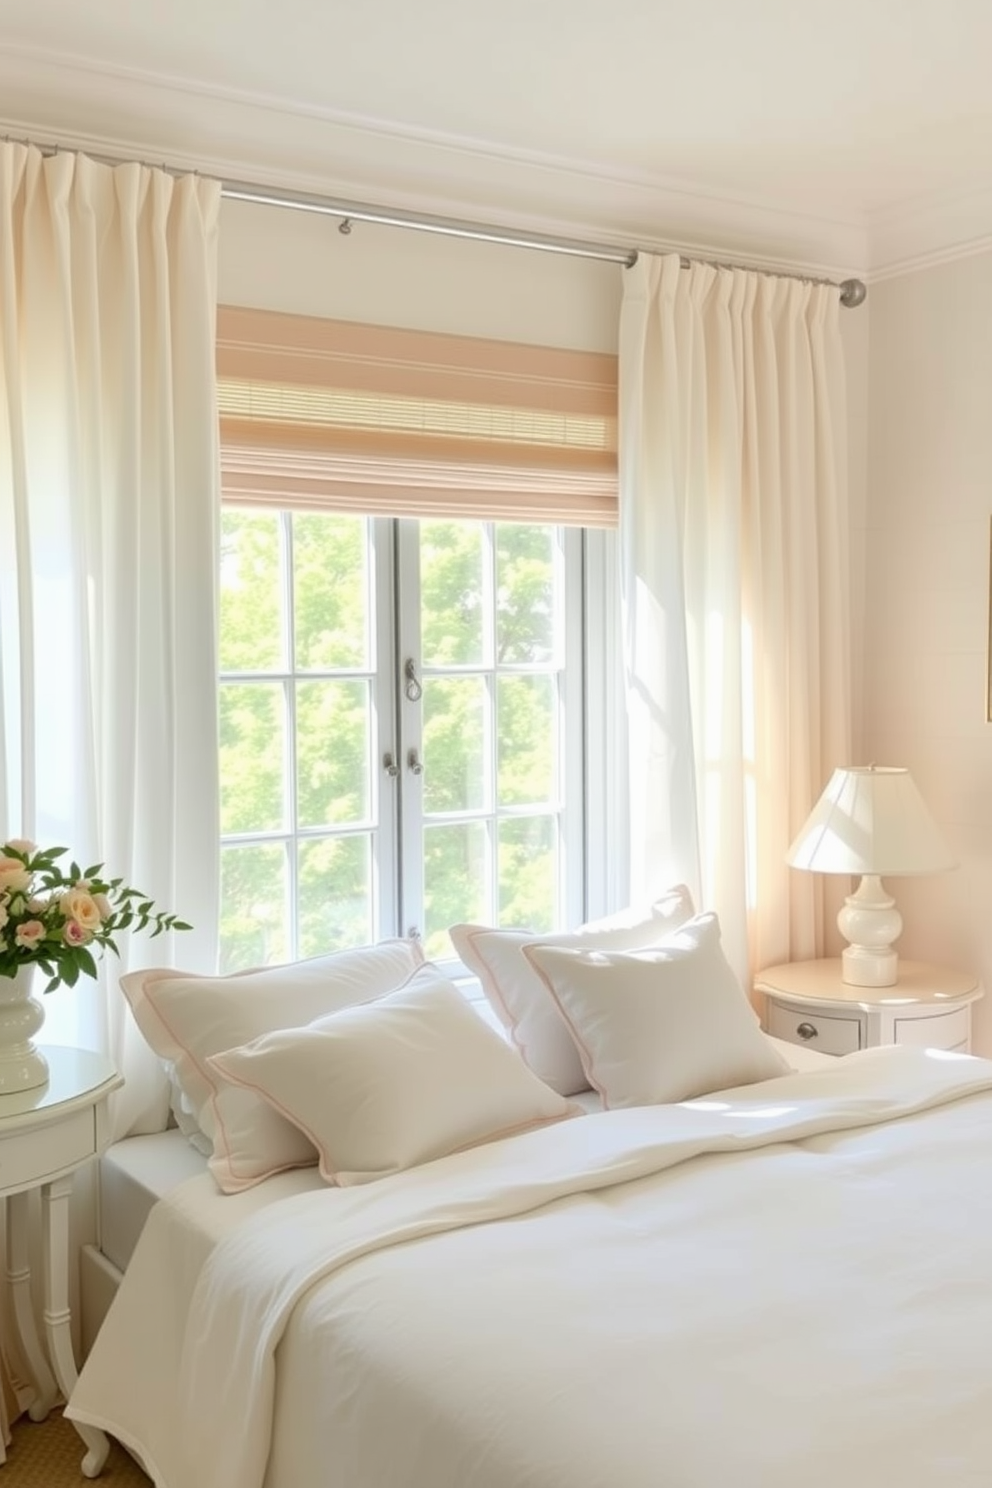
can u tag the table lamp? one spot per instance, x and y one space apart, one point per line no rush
870 820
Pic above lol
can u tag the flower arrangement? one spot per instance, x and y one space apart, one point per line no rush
56 918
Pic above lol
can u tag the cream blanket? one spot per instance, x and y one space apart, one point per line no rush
785 1287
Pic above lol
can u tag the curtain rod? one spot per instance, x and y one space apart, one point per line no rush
852 291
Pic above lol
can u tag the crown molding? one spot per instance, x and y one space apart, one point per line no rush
931 230
255 139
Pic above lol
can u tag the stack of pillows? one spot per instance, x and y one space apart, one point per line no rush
369 1061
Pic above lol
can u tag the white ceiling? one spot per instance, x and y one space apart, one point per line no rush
851 136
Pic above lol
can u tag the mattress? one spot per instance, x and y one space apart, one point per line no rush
134 1174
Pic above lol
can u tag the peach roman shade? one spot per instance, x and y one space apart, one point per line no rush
349 417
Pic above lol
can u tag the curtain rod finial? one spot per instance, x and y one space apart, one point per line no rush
852 293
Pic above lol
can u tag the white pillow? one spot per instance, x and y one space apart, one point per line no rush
411 1077
187 1018
662 1024
520 998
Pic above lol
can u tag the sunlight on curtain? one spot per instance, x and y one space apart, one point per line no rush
109 500
735 588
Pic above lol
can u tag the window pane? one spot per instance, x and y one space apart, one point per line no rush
455 756
254 913
251 613
528 872
252 754
452 588
331 592
332 750
526 741
456 882
335 893
526 609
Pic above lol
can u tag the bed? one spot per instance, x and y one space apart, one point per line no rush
779 1279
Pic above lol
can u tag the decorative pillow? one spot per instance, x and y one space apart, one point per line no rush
661 1024
521 999
187 1018
411 1077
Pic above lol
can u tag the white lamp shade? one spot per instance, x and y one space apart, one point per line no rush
870 819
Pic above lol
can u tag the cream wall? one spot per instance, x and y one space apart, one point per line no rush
926 546
278 259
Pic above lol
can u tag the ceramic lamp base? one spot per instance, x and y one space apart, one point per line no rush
22 1066
870 921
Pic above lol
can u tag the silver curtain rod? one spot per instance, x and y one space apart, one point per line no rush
852 291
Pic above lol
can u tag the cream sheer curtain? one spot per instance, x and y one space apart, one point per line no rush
735 589
109 502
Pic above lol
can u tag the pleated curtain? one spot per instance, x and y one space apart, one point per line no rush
735 584
109 503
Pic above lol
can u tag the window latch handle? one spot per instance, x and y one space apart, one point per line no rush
413 689
390 766
414 763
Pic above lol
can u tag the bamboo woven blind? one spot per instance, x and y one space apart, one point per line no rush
332 414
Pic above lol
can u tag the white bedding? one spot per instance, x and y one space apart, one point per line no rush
136 1172
788 1286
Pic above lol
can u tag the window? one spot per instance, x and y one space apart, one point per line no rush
414 672
402 744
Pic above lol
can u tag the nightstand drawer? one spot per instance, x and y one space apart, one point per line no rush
945 1031
821 1031
32 1157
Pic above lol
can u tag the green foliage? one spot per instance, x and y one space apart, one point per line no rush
51 916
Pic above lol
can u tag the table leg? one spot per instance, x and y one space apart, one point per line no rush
19 1281
55 1251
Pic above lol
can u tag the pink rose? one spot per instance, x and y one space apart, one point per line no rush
73 933
29 934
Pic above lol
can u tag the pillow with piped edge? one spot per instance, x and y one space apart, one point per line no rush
185 1018
414 1076
521 999
661 1024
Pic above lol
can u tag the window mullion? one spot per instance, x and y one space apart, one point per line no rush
409 728
289 706
384 732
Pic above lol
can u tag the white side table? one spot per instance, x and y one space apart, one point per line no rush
808 1003
45 1135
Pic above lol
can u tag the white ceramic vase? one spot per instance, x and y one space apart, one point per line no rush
22 1066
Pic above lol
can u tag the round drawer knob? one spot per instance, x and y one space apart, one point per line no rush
807 1031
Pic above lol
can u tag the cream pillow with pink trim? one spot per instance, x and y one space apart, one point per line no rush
520 998
401 1081
187 1018
661 1024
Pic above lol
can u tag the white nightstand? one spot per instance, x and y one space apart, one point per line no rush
809 1004
45 1135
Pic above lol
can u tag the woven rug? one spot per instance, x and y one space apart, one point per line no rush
48 1454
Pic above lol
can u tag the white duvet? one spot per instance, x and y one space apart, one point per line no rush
786 1287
